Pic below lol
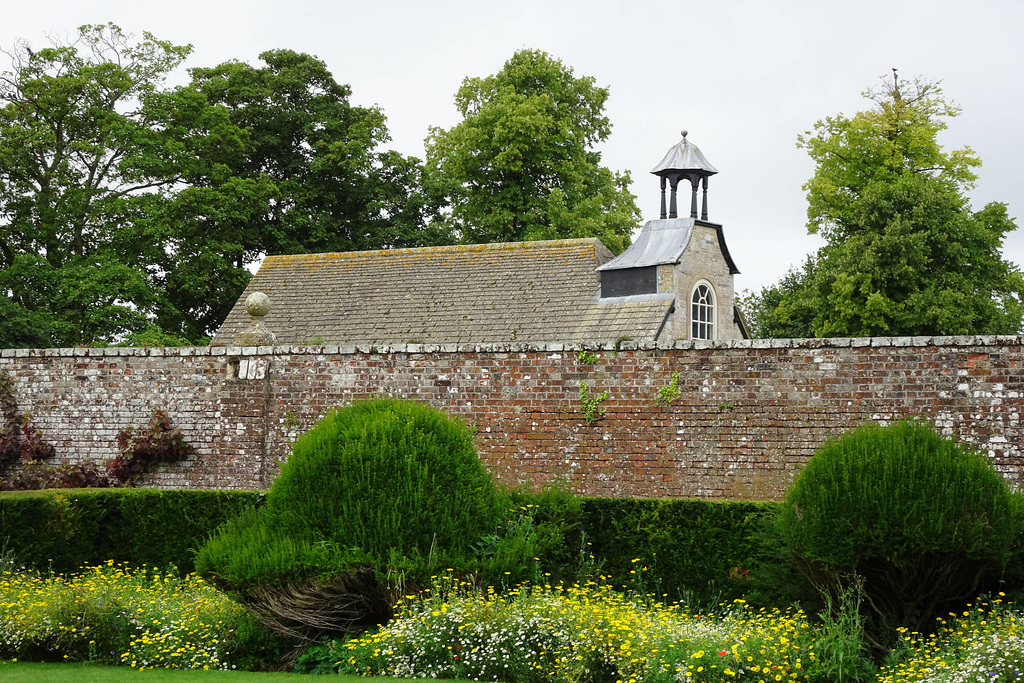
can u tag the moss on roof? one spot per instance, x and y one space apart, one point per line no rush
521 291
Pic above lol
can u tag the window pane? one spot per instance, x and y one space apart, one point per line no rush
702 313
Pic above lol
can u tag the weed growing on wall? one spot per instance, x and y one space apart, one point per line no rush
584 357
670 393
590 406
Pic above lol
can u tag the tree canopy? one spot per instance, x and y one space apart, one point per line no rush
522 166
905 253
79 160
130 210
333 189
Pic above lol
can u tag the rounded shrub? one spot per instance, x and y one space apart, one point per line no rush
376 496
386 476
911 520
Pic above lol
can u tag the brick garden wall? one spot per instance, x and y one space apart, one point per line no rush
749 414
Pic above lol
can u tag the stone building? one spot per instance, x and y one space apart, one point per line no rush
674 282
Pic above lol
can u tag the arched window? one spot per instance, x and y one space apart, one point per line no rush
702 312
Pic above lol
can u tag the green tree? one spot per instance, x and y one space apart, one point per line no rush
129 211
522 165
91 147
905 253
333 190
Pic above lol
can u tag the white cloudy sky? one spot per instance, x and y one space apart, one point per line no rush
745 77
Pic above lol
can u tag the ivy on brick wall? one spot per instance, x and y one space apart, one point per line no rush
19 438
158 442
21 443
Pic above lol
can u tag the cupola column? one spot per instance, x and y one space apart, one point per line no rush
704 201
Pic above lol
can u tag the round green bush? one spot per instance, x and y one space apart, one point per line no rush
386 476
377 495
913 521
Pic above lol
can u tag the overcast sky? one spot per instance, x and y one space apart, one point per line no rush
744 78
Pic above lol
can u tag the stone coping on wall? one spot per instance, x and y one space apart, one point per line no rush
519 347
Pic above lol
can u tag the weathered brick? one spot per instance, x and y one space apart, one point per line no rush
749 414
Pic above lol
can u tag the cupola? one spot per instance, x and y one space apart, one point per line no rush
684 160
679 259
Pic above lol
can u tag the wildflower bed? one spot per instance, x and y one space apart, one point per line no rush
593 633
983 643
583 632
143 618
531 634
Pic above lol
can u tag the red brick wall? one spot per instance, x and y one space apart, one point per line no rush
749 414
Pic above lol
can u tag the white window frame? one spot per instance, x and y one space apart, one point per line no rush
704 313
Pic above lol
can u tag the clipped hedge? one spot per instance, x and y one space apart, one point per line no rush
63 529
695 551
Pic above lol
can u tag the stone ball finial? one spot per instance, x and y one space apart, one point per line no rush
257 304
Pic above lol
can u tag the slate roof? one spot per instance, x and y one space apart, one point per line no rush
544 291
664 241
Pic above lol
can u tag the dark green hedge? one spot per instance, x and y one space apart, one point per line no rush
696 551
64 529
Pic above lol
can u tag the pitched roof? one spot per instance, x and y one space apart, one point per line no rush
544 291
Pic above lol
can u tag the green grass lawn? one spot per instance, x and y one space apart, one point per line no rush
95 673
15 672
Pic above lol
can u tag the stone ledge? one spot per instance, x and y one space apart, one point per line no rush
987 341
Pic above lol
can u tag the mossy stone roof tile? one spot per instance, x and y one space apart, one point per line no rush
542 291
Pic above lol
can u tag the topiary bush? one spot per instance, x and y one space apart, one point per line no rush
375 499
911 520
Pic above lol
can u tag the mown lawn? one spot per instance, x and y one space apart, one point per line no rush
90 673
16 672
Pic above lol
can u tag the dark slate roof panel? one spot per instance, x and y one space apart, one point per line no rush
661 241
523 291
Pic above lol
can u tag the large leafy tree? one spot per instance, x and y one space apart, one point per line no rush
333 190
129 211
80 159
308 178
522 165
905 253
